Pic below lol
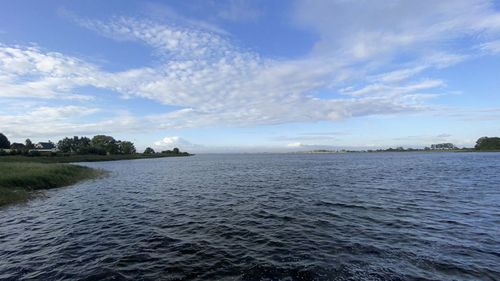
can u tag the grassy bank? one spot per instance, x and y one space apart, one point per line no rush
82 158
19 180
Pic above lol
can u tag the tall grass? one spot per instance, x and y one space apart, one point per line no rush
18 179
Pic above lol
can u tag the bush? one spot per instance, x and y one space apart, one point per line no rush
92 150
34 153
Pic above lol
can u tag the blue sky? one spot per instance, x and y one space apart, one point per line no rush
251 76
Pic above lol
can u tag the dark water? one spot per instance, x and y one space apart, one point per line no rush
401 216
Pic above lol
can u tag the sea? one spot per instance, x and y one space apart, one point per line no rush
352 216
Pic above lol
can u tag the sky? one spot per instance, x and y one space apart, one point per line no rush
251 76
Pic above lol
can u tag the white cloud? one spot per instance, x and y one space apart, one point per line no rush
30 72
295 144
60 121
394 90
171 142
491 47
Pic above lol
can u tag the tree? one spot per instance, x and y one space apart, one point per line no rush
441 146
65 145
149 150
486 143
17 146
75 145
126 147
83 145
107 143
4 141
175 150
28 144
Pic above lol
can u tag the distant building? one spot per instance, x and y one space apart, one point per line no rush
17 146
45 146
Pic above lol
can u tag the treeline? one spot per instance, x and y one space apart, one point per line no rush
97 145
100 144
174 151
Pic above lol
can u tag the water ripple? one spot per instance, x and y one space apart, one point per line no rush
390 216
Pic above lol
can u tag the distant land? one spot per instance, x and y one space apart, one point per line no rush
482 144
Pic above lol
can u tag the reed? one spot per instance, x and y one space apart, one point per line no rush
19 180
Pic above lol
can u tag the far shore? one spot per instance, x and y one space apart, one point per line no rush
389 151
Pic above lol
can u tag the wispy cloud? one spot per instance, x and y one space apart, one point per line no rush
240 11
492 47
367 29
164 13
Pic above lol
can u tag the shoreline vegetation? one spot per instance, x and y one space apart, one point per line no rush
28 168
20 181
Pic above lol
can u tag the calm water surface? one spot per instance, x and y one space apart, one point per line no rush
387 216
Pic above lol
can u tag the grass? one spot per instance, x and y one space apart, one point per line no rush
81 158
19 180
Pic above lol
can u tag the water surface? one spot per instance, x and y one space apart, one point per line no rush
385 216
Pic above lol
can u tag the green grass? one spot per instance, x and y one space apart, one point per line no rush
81 158
14 195
19 180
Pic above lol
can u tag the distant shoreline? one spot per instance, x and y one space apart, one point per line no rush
390 151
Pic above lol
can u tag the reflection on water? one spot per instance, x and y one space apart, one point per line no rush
387 216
